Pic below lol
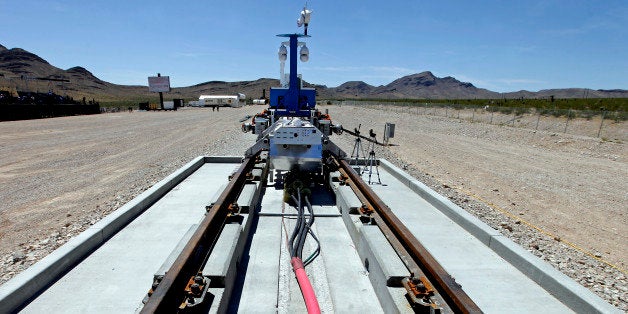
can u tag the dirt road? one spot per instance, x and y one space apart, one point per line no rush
58 176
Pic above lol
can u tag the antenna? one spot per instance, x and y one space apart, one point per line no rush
304 19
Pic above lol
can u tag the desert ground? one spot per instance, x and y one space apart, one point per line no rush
563 197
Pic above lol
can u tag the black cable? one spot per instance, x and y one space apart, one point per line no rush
311 211
316 252
306 228
302 229
296 228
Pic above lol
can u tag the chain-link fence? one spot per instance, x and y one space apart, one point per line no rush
608 125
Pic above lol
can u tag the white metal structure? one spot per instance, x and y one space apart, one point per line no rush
222 100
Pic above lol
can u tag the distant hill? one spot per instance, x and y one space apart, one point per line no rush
422 85
22 70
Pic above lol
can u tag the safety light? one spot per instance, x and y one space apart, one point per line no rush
283 53
304 53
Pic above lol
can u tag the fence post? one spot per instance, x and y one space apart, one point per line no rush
601 123
446 108
473 116
537 121
514 116
567 121
492 112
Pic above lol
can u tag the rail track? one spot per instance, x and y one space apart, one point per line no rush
182 286
214 237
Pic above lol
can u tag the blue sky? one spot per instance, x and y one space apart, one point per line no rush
498 45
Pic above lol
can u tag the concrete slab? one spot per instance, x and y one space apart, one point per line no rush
349 285
217 294
384 266
247 197
337 275
116 277
259 291
222 254
101 282
290 299
347 200
221 265
257 174
172 257
489 280
31 281
393 270
556 283
216 195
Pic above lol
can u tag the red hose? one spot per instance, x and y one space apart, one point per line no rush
311 303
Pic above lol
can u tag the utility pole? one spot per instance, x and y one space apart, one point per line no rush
161 96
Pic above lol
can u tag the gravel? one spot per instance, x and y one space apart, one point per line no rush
59 176
418 154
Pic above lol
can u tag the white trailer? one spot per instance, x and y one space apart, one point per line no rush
169 105
222 100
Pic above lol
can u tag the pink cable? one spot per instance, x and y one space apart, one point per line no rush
311 303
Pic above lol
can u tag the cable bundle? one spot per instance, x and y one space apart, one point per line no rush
295 245
302 229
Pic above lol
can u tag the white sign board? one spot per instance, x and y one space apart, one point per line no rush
159 83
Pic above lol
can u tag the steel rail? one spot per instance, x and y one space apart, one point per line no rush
402 252
451 291
169 294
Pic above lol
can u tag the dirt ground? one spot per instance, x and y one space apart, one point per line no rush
574 187
57 173
60 175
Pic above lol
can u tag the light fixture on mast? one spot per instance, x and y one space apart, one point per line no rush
304 19
283 53
304 54
283 56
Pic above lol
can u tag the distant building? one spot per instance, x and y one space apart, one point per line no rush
222 100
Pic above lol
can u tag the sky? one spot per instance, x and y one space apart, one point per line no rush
498 45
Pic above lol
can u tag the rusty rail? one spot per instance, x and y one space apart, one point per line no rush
451 291
168 296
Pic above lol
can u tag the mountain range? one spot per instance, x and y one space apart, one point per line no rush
22 70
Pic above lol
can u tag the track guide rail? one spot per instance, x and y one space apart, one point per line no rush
170 293
449 290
